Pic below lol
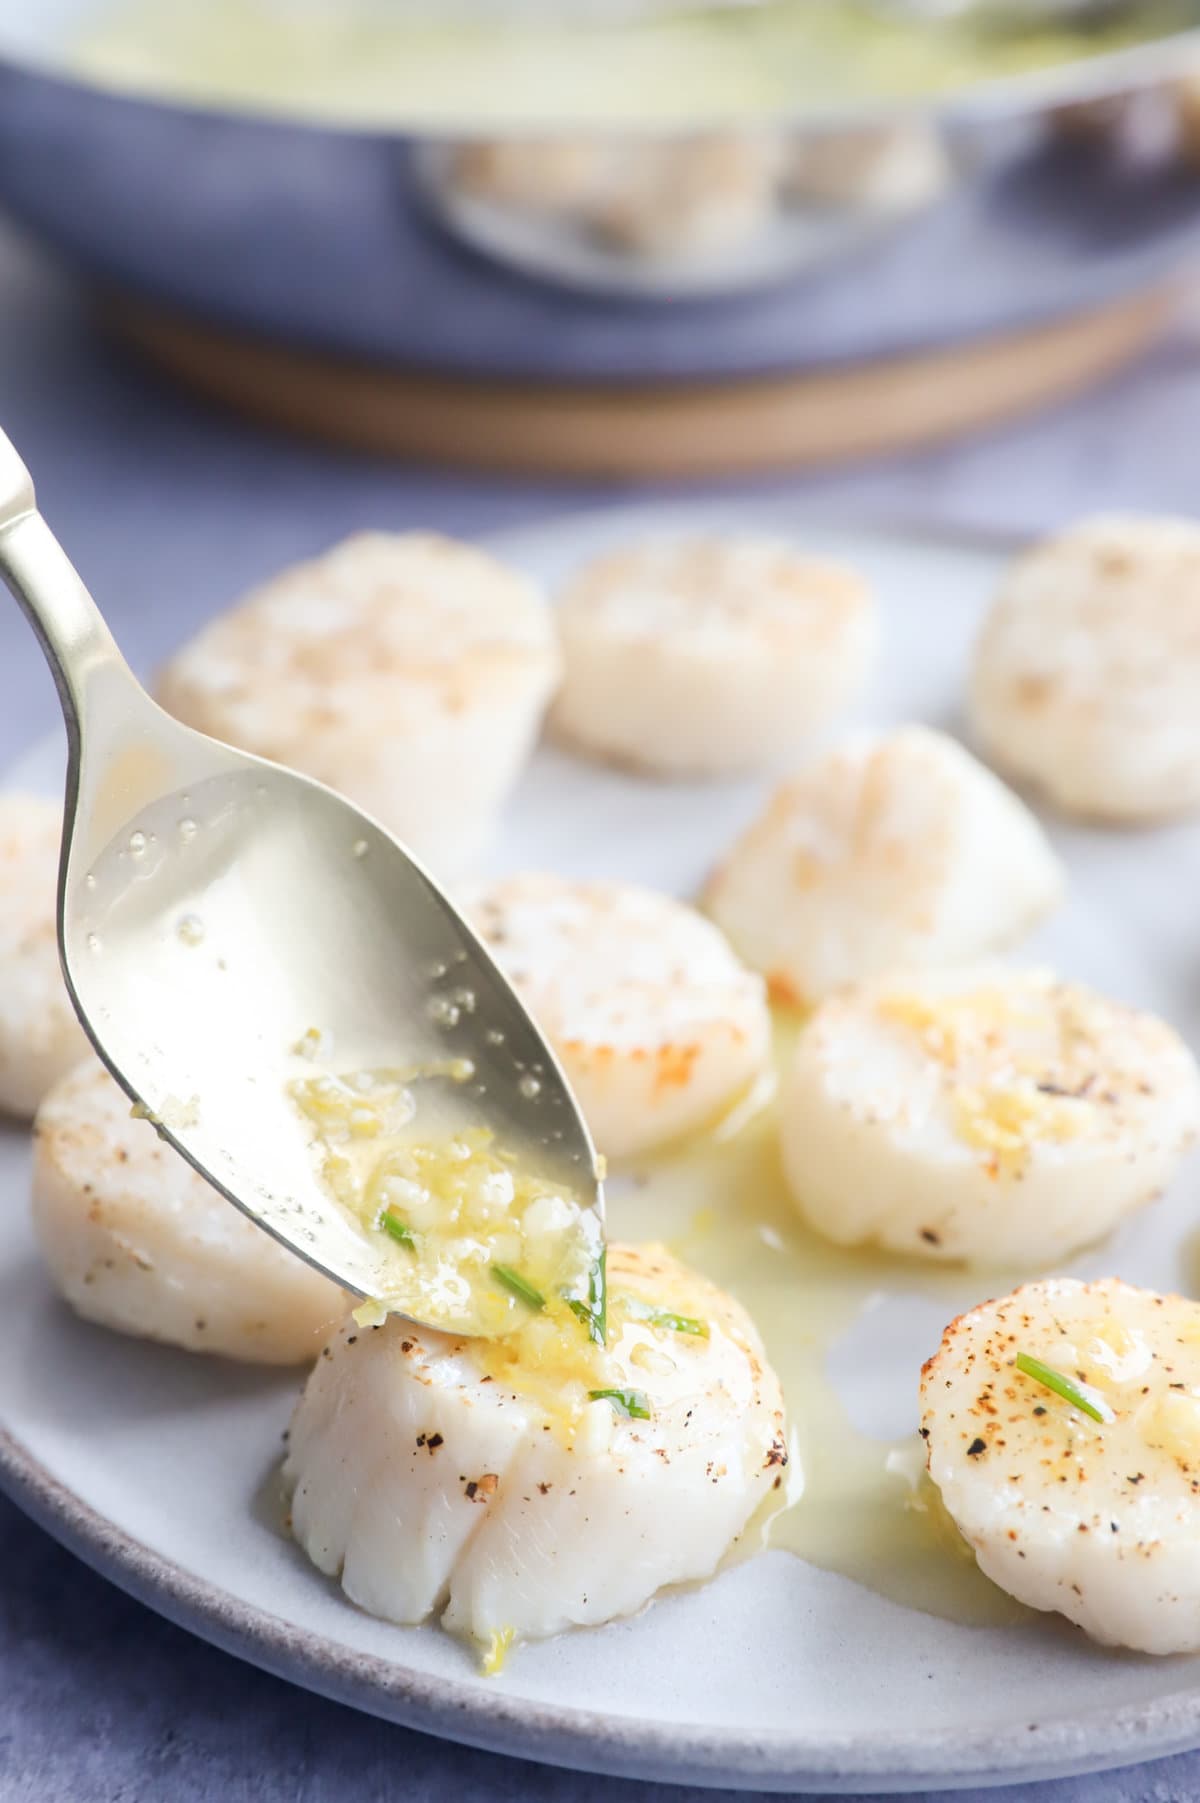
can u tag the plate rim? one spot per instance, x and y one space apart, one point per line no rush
489 1718
581 1739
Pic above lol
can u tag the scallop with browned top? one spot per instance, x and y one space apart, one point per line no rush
893 851
707 656
135 1239
1086 679
519 1488
1062 1427
988 1114
657 1024
406 670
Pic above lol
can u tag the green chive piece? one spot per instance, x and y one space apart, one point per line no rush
1080 1396
397 1229
662 1317
593 1311
679 1323
629 1402
520 1286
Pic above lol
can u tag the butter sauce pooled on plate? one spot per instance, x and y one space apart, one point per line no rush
850 1503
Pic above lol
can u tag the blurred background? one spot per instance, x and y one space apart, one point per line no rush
922 259
272 271
619 239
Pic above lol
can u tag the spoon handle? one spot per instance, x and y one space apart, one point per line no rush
70 628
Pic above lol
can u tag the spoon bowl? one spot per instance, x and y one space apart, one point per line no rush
229 929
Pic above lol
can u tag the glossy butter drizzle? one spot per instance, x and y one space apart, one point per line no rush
853 1504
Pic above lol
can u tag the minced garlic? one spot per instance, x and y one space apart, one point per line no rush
1033 1063
466 1236
1006 1122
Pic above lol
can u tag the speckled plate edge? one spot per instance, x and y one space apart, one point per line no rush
579 1738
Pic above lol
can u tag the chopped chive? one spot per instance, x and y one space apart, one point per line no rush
397 1229
630 1402
662 1317
520 1286
1080 1396
593 1310
680 1324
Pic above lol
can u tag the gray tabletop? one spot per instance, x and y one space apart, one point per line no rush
170 511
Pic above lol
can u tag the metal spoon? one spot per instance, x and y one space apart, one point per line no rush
215 909
1015 15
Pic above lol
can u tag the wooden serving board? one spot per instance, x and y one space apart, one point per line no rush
812 418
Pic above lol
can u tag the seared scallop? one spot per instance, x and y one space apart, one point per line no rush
541 1482
1087 672
537 175
40 1037
890 168
406 670
893 851
709 656
657 1024
685 200
1062 1427
990 1115
135 1240
695 198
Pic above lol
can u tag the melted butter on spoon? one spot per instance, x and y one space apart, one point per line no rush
851 1503
464 1234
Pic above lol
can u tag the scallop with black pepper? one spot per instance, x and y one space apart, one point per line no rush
992 1115
1062 1428
542 1481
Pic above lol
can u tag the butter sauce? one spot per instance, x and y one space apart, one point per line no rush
464 1235
851 1503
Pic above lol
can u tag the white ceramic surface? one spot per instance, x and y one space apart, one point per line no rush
158 1467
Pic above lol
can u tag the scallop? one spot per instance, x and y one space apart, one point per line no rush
709 656
990 1115
891 168
542 1483
541 175
701 197
136 1240
1062 1428
40 1038
657 1024
893 850
691 200
406 670
1086 678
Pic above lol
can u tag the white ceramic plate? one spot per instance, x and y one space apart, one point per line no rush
157 1467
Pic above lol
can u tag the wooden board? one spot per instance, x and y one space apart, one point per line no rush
813 419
